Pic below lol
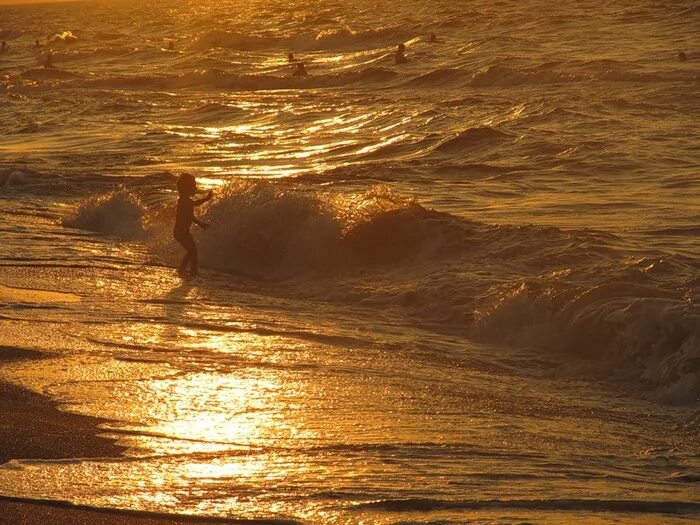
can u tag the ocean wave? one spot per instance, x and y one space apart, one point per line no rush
439 77
208 113
237 41
345 37
72 55
217 78
119 213
644 333
261 229
570 505
471 137
336 38
671 75
537 287
504 76
45 75
277 232
65 37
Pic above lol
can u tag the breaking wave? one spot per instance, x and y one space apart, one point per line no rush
566 292
336 38
118 213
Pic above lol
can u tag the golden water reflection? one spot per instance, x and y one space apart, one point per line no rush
220 400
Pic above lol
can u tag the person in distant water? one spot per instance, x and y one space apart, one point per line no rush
400 56
682 56
3 48
433 38
48 61
300 71
171 45
290 57
36 43
184 217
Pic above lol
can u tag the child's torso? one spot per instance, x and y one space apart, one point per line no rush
183 214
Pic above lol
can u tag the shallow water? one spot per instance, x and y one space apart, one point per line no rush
465 288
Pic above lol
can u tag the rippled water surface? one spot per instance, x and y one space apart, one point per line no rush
460 289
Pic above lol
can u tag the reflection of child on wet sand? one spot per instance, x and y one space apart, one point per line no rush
184 217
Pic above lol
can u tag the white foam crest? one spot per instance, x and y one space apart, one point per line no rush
644 333
270 231
334 38
65 37
118 213
259 229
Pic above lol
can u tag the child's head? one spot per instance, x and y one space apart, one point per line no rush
186 184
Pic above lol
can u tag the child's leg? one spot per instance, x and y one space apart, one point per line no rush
185 262
194 262
187 242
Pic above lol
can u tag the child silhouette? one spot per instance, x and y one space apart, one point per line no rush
184 217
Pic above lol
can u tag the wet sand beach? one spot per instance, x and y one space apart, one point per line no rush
32 427
47 513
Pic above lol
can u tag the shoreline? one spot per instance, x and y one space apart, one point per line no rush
20 511
33 427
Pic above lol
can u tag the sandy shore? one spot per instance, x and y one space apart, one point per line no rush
32 427
27 513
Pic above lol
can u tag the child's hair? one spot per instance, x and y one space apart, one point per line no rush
185 181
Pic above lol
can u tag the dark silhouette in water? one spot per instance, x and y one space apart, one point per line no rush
290 57
48 61
433 38
682 56
3 48
300 71
184 217
400 56
171 45
36 43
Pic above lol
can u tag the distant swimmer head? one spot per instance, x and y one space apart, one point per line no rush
4 45
682 56
36 43
186 184
171 45
290 57
400 57
48 60
433 37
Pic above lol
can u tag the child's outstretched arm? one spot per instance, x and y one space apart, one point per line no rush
205 199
